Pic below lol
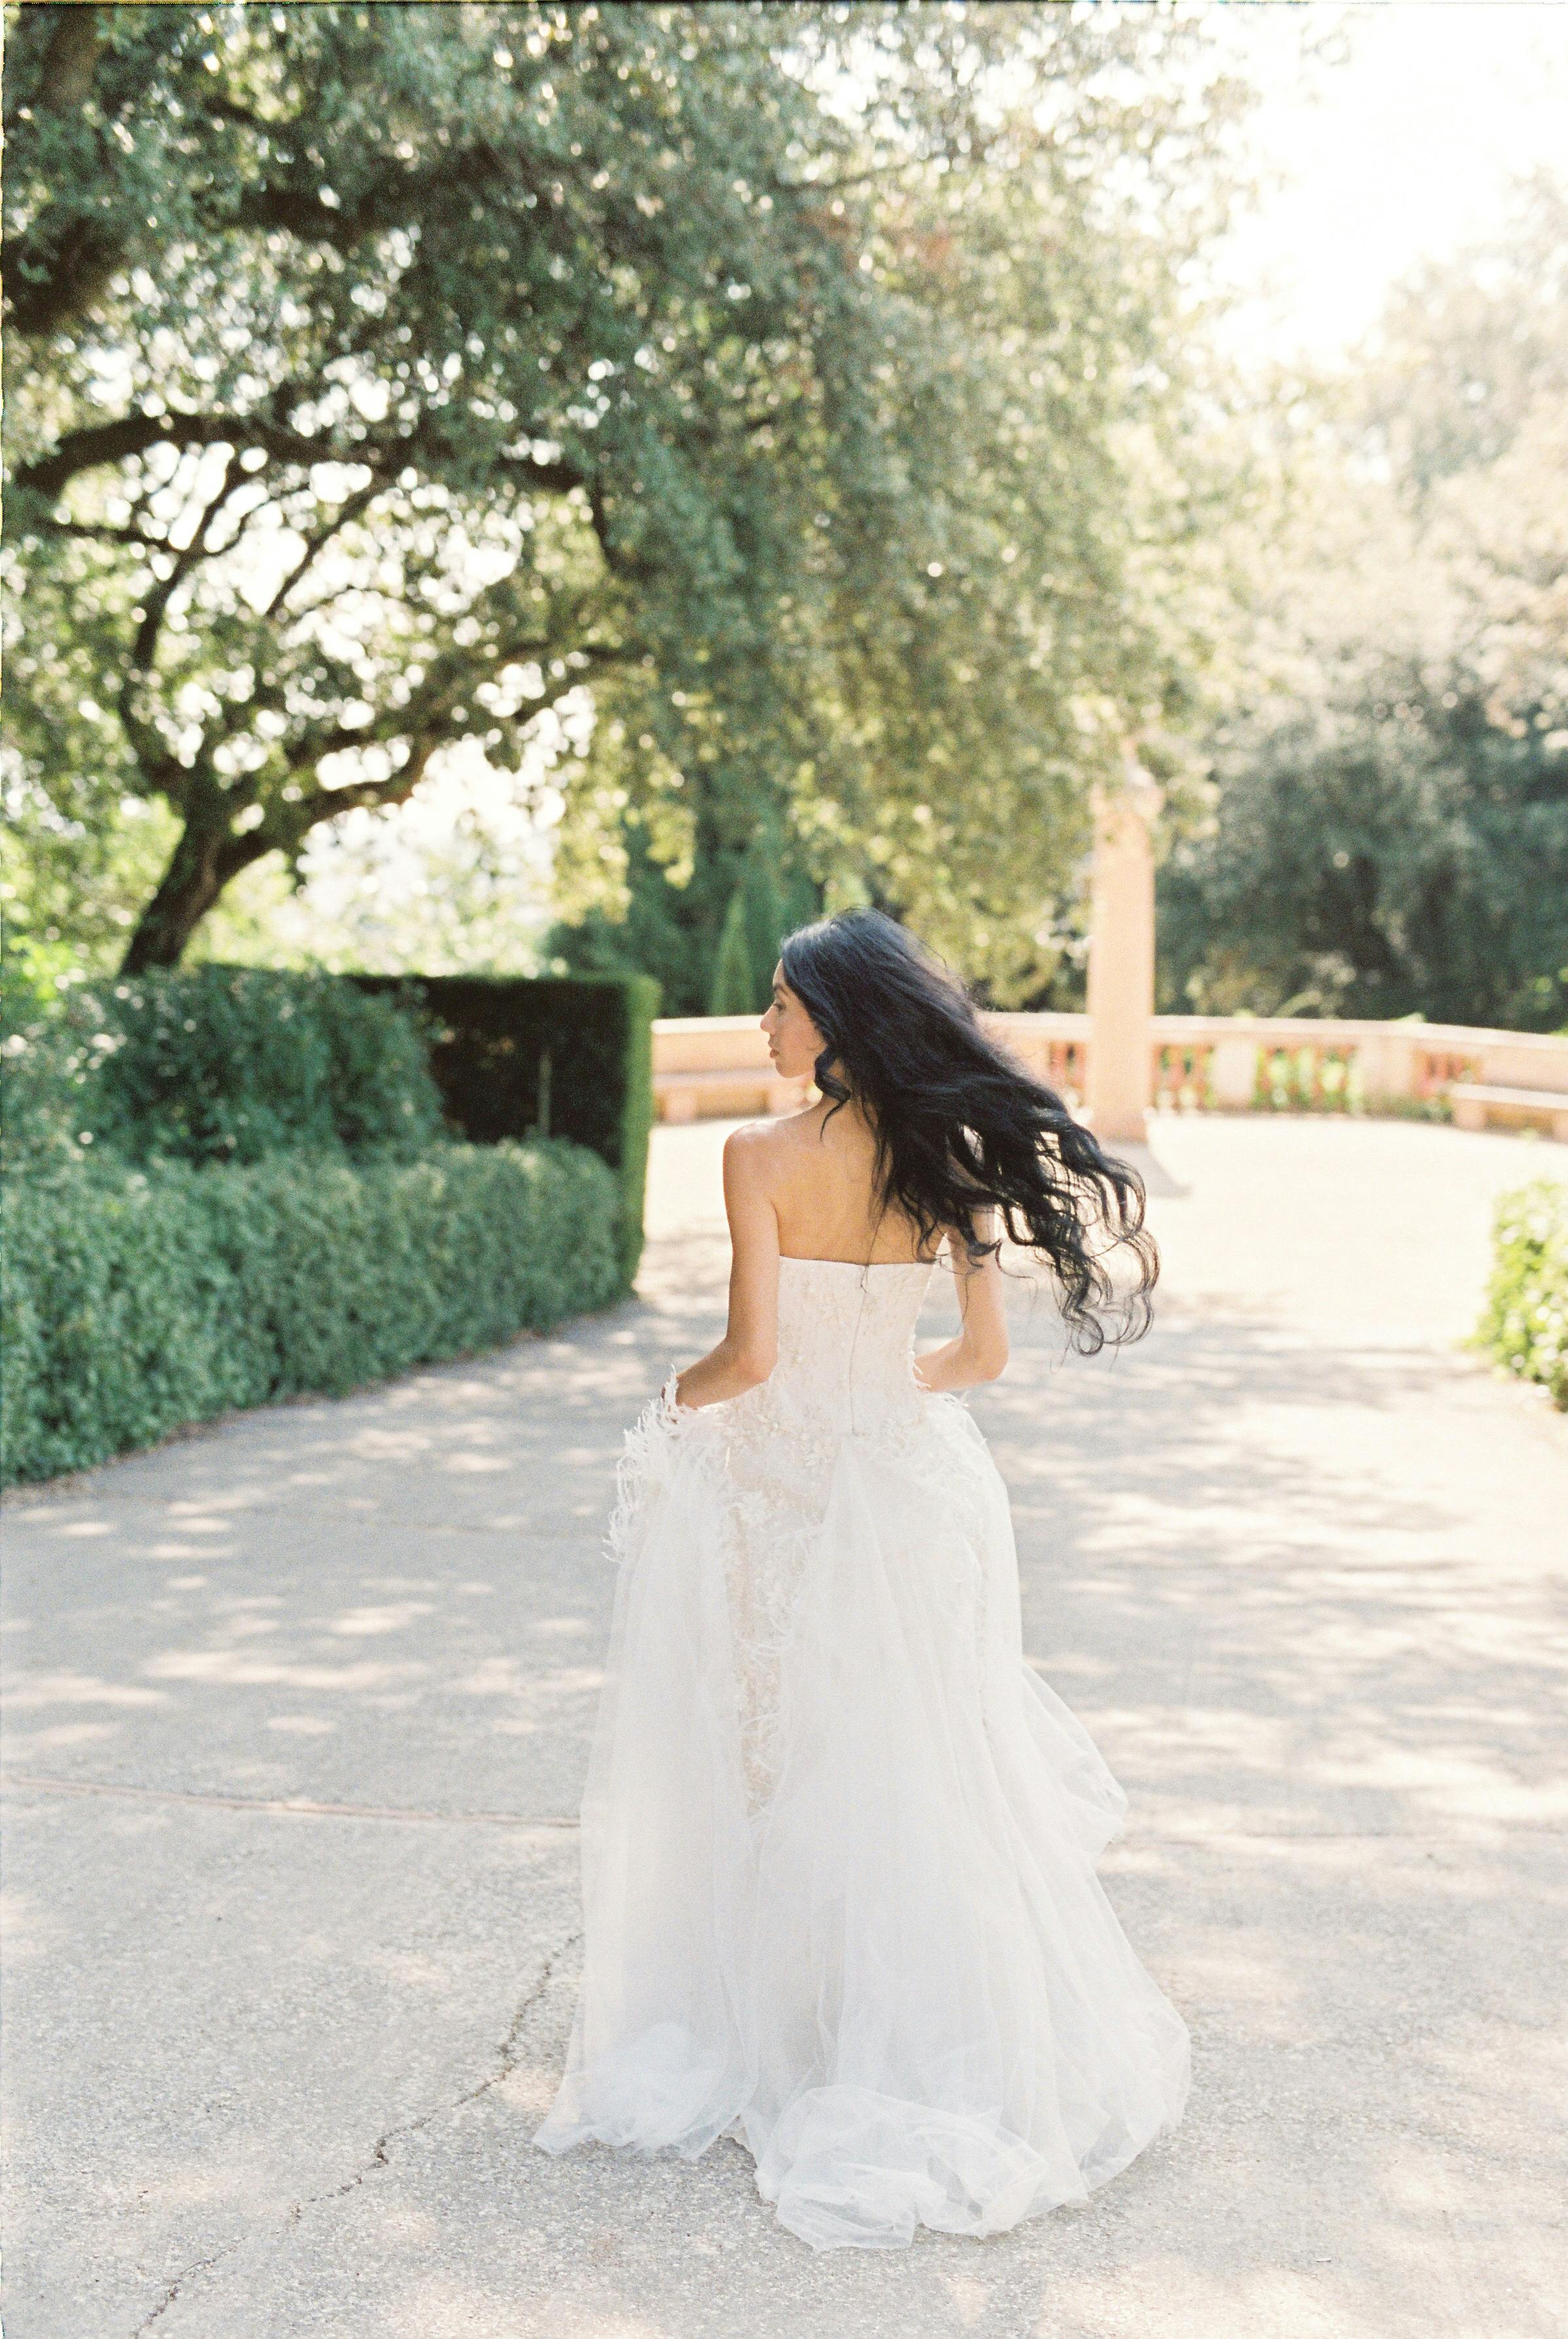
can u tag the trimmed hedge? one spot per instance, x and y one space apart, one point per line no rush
218 1063
230 1185
519 1056
232 1063
138 1300
1525 1322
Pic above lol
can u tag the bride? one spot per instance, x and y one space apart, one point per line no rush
839 1840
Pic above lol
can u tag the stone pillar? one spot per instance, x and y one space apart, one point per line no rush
1233 1070
1388 1063
1122 957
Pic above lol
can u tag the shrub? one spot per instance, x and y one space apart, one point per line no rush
139 1300
231 1185
571 1056
50 1058
735 983
219 1064
1525 1325
230 1063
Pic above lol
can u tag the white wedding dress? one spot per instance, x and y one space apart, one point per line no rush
838 1839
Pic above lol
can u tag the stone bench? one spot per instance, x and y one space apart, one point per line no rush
1475 1104
732 1093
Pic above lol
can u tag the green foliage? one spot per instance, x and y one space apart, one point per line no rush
79 860
663 933
1308 1079
764 915
734 988
1471 347
516 1057
1388 828
230 1063
673 931
760 912
811 386
299 1220
51 1050
139 1300
774 898
635 1119
1395 851
217 1065
1525 1325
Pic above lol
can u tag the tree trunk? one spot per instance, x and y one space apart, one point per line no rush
70 60
78 260
199 868
210 854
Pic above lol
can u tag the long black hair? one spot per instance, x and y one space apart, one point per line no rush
961 1126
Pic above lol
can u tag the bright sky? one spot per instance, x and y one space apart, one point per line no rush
1406 148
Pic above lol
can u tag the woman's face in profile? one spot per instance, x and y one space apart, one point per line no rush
794 1042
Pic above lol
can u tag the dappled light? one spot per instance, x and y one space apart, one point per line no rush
324 1674
565 567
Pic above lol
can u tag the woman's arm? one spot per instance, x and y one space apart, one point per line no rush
749 1349
979 1351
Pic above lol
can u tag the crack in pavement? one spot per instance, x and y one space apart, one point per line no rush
178 2285
506 2057
507 2063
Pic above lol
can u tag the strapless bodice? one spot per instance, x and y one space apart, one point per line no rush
846 1338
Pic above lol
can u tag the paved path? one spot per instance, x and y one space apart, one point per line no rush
298 1716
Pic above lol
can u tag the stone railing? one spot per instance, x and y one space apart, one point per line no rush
717 1067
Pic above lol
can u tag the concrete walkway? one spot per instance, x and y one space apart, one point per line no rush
299 1713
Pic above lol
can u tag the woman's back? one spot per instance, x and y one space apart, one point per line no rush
819 1166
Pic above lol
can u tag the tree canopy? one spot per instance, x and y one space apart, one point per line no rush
1387 833
810 386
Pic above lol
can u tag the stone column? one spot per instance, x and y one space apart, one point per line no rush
1122 957
1233 1070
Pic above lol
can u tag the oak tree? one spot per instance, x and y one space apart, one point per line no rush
809 386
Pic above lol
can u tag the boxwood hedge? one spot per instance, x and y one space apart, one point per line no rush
1525 1325
521 1056
139 1299
216 1063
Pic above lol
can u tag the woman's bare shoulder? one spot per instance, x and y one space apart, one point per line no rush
754 1149
772 1151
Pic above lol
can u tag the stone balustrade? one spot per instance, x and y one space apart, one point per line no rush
717 1066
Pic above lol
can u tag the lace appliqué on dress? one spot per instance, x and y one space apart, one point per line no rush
768 1456
645 1455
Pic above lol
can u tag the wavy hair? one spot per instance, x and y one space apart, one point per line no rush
961 1126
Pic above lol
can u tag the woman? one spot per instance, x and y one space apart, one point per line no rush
838 1839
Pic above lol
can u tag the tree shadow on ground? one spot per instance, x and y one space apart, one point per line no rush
1297 1587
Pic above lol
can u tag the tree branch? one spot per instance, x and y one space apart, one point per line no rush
317 543
286 824
133 434
551 479
159 767
144 648
290 822
70 60
110 535
395 197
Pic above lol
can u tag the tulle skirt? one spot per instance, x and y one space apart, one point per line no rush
839 1846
